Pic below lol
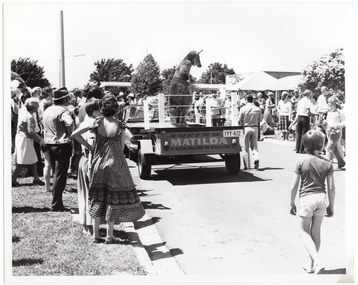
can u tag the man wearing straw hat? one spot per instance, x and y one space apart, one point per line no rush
58 126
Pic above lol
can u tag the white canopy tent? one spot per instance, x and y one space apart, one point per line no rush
288 82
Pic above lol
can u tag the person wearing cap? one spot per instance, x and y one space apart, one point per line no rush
284 108
58 127
303 119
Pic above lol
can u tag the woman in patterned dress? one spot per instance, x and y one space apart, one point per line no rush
112 191
284 108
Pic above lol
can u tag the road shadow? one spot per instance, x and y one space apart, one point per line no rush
29 210
203 175
142 224
150 205
269 168
334 271
155 253
26 262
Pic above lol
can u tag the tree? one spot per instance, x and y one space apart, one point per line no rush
30 72
327 71
216 73
146 80
167 76
112 70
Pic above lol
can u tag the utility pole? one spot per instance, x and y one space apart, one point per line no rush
63 83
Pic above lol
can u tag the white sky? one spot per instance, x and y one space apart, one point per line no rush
247 37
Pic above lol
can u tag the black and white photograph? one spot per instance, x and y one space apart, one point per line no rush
179 142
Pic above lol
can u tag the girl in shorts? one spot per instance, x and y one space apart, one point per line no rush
313 171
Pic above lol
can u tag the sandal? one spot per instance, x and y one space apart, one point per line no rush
97 240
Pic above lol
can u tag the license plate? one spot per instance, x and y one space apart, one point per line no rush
231 133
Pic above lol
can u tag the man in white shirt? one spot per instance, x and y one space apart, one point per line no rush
249 117
322 103
303 120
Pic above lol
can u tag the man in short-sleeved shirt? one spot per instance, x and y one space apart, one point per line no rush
58 127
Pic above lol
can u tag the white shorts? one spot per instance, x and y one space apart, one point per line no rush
312 205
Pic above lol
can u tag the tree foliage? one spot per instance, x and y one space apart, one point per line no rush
146 81
112 70
327 71
167 76
30 72
216 73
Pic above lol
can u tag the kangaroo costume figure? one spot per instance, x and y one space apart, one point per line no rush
180 105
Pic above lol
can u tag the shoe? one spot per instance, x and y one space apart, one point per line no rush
256 164
98 240
38 182
15 184
319 269
341 166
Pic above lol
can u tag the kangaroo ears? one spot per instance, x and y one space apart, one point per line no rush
200 51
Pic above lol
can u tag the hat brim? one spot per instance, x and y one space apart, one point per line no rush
55 99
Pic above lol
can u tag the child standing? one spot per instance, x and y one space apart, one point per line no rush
313 170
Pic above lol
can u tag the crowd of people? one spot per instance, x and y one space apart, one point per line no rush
80 132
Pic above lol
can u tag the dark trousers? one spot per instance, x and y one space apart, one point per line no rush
60 159
40 164
302 127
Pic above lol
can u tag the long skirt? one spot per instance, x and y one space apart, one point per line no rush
84 217
24 150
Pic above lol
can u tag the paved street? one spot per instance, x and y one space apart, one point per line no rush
215 224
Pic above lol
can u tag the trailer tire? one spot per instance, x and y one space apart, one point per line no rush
144 165
233 163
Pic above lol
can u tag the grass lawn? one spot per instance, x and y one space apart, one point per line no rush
48 243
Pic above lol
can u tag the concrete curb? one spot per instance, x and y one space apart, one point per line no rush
152 251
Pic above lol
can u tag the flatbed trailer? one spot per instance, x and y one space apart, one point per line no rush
161 140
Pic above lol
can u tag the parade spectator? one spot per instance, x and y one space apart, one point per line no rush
45 100
322 103
58 126
24 142
15 99
130 99
284 109
249 117
93 111
261 101
303 120
314 111
269 106
112 193
80 99
335 123
312 170
91 91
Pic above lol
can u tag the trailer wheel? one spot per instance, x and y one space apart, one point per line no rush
144 165
233 163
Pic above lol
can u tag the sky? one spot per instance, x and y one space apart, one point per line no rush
246 36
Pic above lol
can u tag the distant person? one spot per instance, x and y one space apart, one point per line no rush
303 119
250 117
322 103
313 170
284 108
58 126
269 106
91 91
335 124
25 154
112 193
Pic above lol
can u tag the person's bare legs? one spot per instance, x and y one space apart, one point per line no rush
33 168
311 226
96 221
47 171
16 173
110 226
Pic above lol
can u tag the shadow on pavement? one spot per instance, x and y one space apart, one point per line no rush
29 210
204 175
146 223
155 253
269 168
334 271
149 205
